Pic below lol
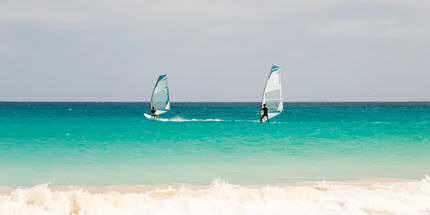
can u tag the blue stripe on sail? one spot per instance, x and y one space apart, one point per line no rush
161 77
275 68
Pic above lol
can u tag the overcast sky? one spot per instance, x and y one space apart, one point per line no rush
106 50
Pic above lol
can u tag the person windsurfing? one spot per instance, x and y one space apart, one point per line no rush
265 110
153 115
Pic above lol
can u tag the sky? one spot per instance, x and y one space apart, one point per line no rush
107 50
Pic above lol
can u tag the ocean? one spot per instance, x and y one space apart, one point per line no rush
214 158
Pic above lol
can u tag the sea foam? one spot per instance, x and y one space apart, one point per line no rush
221 197
180 119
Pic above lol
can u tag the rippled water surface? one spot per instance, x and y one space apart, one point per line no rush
100 144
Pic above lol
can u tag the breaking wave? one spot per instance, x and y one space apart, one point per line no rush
221 197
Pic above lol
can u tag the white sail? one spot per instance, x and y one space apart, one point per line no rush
160 98
272 95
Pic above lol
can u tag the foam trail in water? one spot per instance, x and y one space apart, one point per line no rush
224 198
180 119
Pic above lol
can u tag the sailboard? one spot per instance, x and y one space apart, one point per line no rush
160 99
272 94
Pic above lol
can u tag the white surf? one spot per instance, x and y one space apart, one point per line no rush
220 197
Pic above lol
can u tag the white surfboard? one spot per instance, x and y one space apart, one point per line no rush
154 118
272 95
160 99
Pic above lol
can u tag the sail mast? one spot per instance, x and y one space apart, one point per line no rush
160 99
272 94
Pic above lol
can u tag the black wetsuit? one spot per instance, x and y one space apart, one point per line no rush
153 112
265 114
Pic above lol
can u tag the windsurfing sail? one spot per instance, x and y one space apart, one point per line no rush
272 95
160 98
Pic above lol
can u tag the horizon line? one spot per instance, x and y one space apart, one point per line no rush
136 101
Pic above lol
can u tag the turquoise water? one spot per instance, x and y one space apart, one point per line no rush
100 144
